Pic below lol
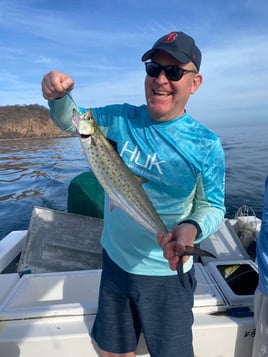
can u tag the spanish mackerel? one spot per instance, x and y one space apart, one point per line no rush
123 188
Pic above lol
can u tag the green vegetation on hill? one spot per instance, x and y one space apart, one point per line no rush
27 121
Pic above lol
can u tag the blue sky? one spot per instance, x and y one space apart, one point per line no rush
100 43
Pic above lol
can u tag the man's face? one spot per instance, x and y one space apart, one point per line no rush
166 99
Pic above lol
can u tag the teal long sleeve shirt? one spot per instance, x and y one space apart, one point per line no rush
183 164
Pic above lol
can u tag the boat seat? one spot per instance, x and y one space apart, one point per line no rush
86 196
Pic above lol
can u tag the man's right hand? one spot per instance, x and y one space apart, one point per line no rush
56 84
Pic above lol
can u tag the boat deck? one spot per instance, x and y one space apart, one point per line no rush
51 313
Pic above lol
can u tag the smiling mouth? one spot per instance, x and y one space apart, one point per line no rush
161 93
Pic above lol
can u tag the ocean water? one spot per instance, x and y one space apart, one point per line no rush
246 155
38 172
35 172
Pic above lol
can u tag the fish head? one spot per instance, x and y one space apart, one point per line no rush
85 124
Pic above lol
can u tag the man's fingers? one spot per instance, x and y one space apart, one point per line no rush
163 239
67 84
56 85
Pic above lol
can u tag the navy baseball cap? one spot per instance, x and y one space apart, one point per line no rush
179 45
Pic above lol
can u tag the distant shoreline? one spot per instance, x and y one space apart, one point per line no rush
39 137
28 122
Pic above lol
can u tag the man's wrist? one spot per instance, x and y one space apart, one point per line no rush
194 223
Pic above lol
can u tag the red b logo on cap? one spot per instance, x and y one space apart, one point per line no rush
170 37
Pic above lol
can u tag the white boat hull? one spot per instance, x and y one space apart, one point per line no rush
44 316
68 337
52 315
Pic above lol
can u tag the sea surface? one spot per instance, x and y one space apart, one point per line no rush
37 172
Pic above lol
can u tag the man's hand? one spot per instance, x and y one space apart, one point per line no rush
182 235
56 85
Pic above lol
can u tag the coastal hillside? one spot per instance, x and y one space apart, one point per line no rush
27 121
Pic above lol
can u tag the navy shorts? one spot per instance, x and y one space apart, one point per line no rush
159 306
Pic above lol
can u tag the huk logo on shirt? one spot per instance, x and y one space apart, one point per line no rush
149 162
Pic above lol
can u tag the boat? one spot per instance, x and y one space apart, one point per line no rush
50 274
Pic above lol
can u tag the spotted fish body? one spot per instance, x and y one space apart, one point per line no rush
123 188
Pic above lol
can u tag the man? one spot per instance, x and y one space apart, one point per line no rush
260 346
183 163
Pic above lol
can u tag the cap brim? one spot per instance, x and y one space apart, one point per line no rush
147 55
182 58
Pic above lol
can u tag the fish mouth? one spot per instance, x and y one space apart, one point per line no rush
84 136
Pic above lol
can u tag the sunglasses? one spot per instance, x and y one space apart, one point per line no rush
173 73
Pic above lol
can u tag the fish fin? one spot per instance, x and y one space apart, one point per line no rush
114 144
197 251
141 179
93 141
112 205
180 272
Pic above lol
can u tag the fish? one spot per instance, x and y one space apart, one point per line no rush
122 186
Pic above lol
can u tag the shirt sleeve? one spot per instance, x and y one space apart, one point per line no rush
61 111
208 209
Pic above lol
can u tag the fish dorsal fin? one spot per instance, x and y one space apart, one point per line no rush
140 179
